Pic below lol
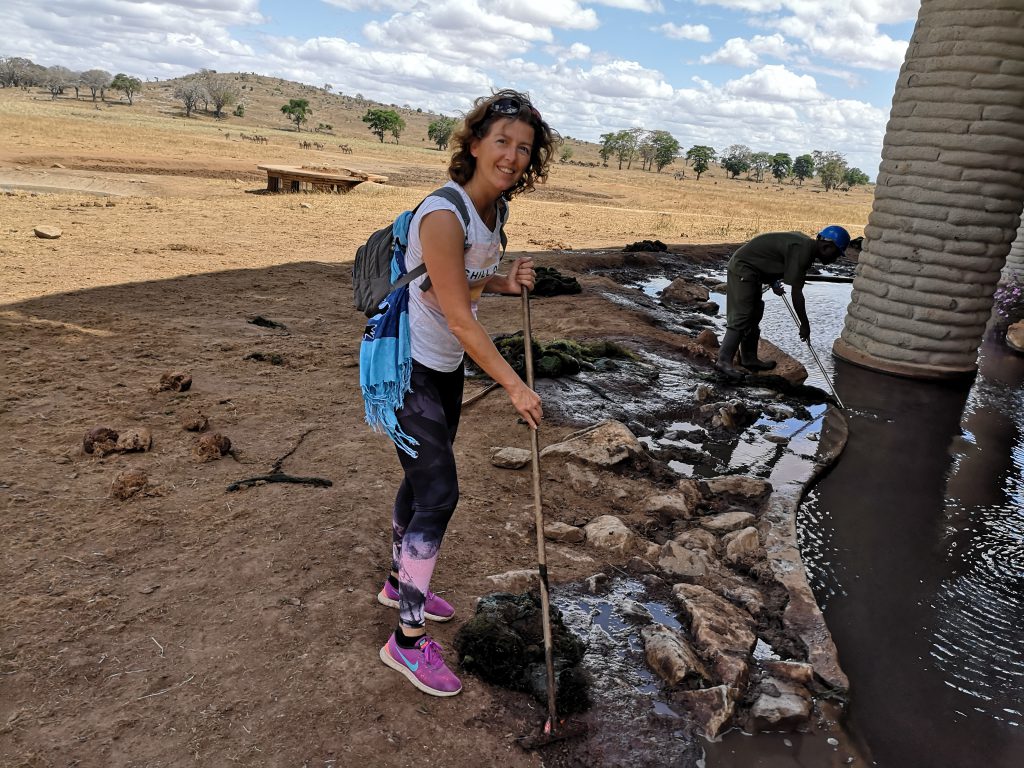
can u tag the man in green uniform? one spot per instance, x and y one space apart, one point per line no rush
773 258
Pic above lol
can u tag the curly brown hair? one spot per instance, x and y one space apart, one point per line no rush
478 122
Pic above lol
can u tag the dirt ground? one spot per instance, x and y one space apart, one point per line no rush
188 625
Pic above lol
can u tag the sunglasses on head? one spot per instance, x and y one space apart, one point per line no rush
510 106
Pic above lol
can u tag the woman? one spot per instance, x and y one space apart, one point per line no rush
502 148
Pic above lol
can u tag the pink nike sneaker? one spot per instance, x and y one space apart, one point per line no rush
436 608
423 666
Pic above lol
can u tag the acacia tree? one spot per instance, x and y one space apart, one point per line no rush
297 110
855 176
128 85
189 91
15 71
830 166
57 79
440 131
803 168
666 148
781 166
759 163
381 121
736 159
220 90
700 156
97 81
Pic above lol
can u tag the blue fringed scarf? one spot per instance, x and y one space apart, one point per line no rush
385 355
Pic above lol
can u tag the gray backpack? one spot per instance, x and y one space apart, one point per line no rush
371 270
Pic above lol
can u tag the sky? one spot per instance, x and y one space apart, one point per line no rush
776 75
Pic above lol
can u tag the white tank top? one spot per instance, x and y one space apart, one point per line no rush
433 344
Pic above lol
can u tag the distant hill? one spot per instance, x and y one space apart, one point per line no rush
264 96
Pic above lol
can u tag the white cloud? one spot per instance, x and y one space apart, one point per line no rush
699 32
735 51
578 51
774 82
643 6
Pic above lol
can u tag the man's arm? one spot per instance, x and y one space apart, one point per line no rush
801 311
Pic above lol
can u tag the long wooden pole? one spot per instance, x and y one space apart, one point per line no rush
538 510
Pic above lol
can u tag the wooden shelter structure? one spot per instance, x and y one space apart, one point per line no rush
305 178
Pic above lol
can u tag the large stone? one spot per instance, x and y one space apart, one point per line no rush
697 538
563 532
717 625
47 232
670 657
603 445
742 546
781 704
681 504
709 709
608 532
1015 336
738 486
677 560
728 521
682 291
514 581
510 458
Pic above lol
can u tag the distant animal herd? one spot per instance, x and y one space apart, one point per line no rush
345 148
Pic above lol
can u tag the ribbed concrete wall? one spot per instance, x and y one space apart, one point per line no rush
1015 259
949 192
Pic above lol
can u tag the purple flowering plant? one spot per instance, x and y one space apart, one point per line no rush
1009 300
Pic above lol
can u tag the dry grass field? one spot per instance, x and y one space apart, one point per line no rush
184 625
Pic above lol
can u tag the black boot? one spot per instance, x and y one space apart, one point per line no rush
726 353
748 354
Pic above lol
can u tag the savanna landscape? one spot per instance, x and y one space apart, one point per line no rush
150 618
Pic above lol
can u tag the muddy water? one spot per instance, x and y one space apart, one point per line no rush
916 544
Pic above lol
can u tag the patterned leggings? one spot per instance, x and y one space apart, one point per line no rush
427 496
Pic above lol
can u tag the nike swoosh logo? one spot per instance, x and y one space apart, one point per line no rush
411 666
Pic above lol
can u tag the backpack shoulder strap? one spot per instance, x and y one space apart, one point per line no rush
453 197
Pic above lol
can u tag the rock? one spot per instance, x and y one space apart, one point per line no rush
710 709
796 672
175 382
1015 336
99 440
781 704
564 533
307 206
635 611
727 521
56 165
732 671
510 458
211 447
597 583
515 582
717 625
640 566
752 489
682 291
697 538
48 232
670 657
129 483
677 560
602 445
608 532
670 506
742 546
704 392
580 478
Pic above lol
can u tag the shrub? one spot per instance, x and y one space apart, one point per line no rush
1009 300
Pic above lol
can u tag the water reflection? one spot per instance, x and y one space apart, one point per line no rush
914 541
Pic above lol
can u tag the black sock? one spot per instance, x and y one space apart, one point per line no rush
404 640
393 580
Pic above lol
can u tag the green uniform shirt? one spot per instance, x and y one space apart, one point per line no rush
774 256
